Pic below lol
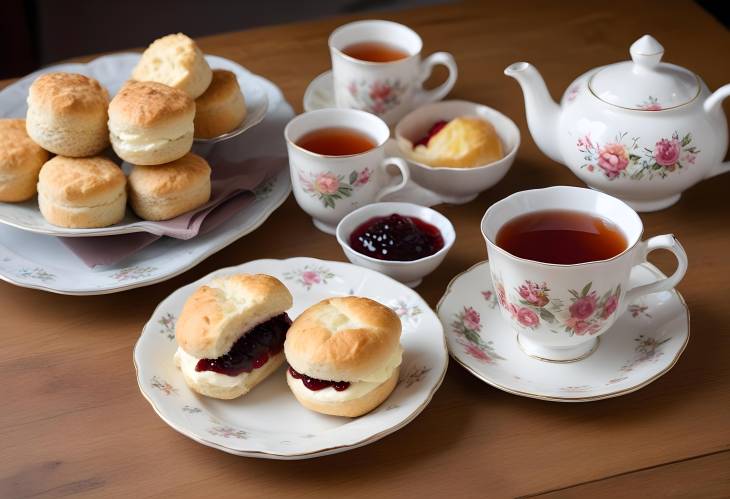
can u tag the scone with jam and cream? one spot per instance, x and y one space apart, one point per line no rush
344 356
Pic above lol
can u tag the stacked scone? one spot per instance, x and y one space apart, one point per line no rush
150 123
344 353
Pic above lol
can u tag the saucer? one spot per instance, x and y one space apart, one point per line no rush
320 93
269 422
643 344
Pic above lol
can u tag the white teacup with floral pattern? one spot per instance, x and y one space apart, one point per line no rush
330 187
387 89
558 311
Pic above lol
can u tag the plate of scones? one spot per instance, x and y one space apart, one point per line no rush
82 134
290 359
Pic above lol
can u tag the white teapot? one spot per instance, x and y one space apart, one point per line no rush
640 130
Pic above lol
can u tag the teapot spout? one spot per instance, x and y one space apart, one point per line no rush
542 111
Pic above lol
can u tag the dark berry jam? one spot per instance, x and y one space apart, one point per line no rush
435 128
252 350
396 238
315 384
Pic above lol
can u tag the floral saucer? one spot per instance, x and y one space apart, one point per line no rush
269 422
644 343
320 93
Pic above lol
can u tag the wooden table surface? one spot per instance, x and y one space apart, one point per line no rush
73 420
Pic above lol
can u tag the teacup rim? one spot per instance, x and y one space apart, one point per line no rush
504 252
448 243
349 25
380 144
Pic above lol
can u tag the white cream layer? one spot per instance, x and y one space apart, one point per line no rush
142 142
329 394
187 366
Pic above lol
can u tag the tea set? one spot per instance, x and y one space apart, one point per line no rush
638 133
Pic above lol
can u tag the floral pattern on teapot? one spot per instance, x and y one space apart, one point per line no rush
626 157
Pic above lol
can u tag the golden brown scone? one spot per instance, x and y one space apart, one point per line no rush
82 192
151 123
345 339
176 61
464 142
216 316
221 108
67 114
161 192
20 161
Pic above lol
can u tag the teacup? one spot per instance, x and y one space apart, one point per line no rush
387 89
330 187
559 311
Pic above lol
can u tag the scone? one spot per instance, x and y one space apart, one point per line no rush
231 332
221 108
20 161
151 123
176 61
67 114
463 142
162 192
344 356
82 192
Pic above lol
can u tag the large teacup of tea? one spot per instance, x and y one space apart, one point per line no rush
377 67
560 260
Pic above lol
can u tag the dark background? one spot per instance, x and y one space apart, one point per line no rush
35 33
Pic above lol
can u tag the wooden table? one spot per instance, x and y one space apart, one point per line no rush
73 420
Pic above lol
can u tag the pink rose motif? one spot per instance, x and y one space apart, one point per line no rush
613 159
472 319
487 295
666 152
534 294
380 91
580 327
310 277
326 183
352 88
512 310
652 107
591 168
690 158
364 177
583 307
477 353
610 306
527 318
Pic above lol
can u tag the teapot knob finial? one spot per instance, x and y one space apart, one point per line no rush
646 52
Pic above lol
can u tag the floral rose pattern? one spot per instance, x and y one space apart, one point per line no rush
624 157
467 325
647 350
309 276
650 104
584 314
329 187
377 97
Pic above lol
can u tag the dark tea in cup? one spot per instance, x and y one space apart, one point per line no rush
336 141
375 52
562 237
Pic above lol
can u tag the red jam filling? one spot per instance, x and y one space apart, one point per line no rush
435 128
252 350
318 384
396 238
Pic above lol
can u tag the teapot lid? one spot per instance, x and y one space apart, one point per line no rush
645 83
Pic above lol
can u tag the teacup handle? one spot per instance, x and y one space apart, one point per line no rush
438 93
668 242
405 174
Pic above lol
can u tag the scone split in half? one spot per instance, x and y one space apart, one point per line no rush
344 356
231 334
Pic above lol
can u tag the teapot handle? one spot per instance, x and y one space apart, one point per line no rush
712 105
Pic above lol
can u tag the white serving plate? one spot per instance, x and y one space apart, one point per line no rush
42 262
269 422
112 71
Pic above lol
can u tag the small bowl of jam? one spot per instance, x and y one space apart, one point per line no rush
402 240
